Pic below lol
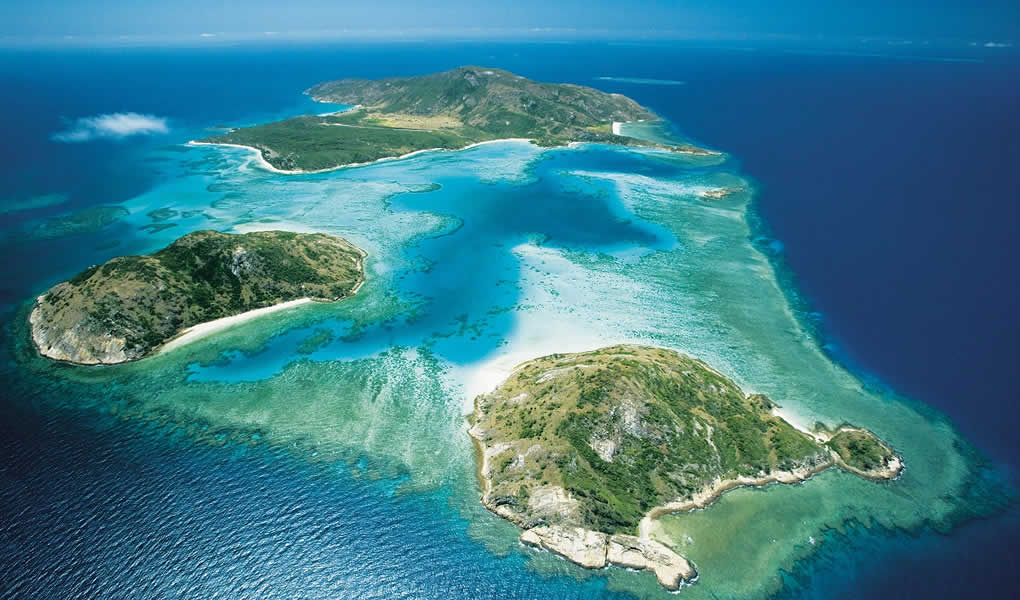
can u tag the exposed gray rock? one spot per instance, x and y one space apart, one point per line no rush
595 550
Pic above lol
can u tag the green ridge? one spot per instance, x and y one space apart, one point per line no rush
625 429
448 110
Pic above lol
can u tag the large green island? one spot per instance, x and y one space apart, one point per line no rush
450 110
583 451
128 307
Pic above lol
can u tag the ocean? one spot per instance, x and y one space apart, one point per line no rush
865 276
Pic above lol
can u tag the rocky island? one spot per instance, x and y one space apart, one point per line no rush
129 306
450 110
583 450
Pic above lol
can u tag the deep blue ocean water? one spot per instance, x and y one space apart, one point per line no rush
889 183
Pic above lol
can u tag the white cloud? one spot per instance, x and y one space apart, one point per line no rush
997 45
207 35
112 126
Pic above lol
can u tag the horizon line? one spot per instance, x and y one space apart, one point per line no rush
476 34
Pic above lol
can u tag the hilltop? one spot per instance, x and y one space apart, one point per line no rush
582 450
449 110
125 308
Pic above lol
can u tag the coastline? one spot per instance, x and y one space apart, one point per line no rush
593 549
38 331
264 164
201 330
710 494
196 332
584 547
876 559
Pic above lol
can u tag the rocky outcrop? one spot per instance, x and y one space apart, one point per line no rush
891 470
76 344
580 449
631 552
582 546
595 550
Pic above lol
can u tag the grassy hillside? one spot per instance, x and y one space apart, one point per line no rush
316 143
448 110
487 99
123 309
861 451
598 439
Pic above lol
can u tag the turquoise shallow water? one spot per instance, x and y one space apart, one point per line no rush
323 449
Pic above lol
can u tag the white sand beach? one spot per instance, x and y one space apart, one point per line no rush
263 163
201 330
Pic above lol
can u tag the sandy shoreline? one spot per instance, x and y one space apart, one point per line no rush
196 332
264 164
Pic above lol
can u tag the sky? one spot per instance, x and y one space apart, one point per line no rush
997 20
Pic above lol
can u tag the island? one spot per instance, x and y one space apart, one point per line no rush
130 306
583 451
720 193
452 110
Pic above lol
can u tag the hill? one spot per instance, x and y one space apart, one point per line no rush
580 449
448 110
125 308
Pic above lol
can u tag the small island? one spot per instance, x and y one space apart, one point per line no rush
452 110
583 450
130 306
720 193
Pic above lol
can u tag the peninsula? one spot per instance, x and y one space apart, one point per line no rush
129 306
583 450
451 110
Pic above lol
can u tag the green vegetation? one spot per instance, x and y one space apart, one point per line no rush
315 143
447 110
124 308
860 450
598 439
